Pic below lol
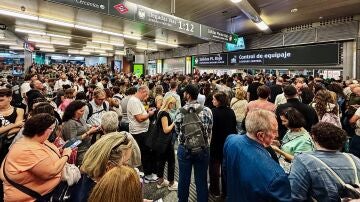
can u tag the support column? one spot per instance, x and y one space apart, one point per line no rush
28 60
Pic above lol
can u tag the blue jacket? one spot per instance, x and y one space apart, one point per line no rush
251 174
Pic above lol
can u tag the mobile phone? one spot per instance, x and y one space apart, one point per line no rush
72 144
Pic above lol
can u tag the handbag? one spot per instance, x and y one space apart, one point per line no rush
160 139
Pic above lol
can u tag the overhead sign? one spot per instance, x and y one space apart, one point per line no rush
29 47
322 54
131 11
211 60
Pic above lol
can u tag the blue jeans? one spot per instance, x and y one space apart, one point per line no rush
200 161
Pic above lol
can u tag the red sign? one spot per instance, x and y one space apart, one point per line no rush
121 8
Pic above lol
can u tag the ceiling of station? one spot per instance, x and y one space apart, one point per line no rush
220 14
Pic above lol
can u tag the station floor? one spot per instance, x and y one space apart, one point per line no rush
153 193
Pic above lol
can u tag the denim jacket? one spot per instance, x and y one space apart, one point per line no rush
310 179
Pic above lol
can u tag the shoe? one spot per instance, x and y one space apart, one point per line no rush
155 177
173 187
148 179
165 183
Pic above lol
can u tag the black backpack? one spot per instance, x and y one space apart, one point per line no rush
91 110
193 130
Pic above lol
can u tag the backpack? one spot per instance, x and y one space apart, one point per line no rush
91 110
329 117
193 130
347 191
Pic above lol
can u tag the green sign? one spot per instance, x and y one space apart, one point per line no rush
138 69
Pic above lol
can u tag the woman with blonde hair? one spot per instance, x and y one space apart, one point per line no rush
119 184
238 105
163 145
111 150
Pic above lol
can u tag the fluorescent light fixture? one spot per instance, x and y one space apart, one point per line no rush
39 40
55 22
132 37
106 48
28 31
59 36
236 1
117 52
61 43
88 28
92 47
44 46
113 33
166 44
99 51
108 43
73 51
145 48
16 48
262 25
84 53
8 43
18 15
106 54
47 49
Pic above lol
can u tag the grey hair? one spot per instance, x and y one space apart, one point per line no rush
143 88
110 122
258 120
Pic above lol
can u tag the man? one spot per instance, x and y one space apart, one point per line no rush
252 89
292 99
96 108
80 85
251 174
276 89
61 82
124 124
36 92
138 127
188 155
103 83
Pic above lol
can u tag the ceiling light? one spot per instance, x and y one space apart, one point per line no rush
61 43
166 44
16 48
39 40
106 54
117 52
145 48
113 33
44 46
294 10
236 1
47 49
88 28
262 26
8 43
132 37
99 51
84 53
108 43
55 22
18 15
59 36
28 31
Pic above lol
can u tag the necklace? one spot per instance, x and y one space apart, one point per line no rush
6 109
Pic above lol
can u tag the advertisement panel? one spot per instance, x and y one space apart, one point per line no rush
174 65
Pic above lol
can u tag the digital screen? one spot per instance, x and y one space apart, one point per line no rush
17 71
234 47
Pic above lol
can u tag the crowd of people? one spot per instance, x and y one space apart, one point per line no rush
101 135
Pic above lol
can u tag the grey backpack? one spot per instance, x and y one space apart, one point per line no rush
193 130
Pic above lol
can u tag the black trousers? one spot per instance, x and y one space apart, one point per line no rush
148 158
215 173
169 157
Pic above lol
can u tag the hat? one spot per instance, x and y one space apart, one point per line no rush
290 91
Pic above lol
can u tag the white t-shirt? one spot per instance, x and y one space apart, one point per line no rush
136 107
24 88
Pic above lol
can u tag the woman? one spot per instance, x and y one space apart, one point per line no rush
297 139
111 150
238 105
310 179
326 107
262 102
119 184
11 121
164 147
33 161
70 94
224 124
74 127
